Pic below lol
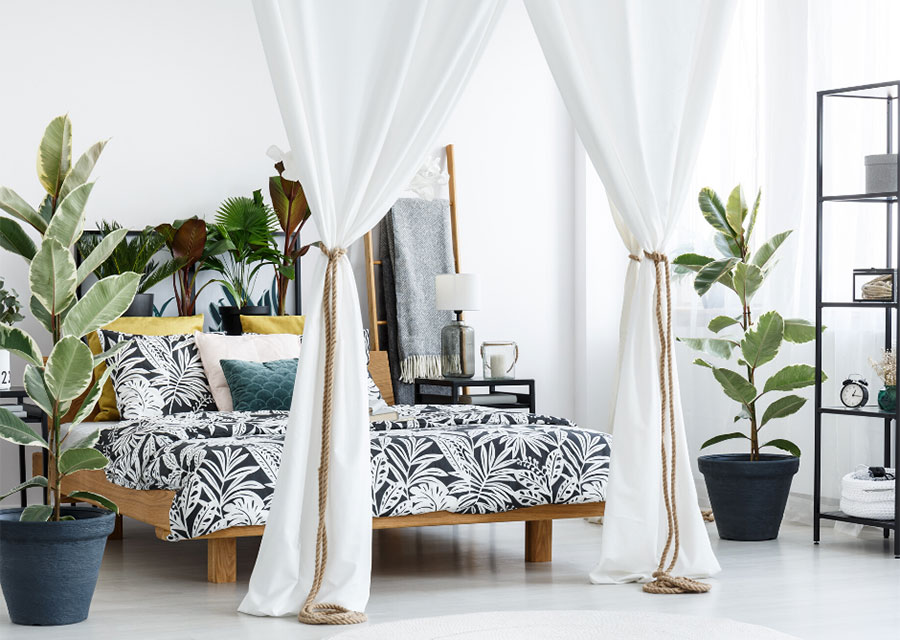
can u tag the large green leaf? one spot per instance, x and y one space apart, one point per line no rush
72 460
722 438
103 501
714 212
21 344
735 385
90 400
12 429
799 331
69 369
746 281
782 407
765 252
36 389
795 376
690 262
101 252
13 238
67 223
752 224
784 445
13 204
37 481
715 271
104 302
712 346
736 210
82 169
41 314
727 246
36 513
52 276
55 154
761 343
720 322
700 362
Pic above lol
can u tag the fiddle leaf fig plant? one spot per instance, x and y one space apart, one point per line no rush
65 376
750 341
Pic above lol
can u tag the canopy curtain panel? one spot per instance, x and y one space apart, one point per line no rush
363 88
636 77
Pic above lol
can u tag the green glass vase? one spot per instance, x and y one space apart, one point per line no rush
887 398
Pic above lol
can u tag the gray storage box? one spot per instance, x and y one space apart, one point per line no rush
881 173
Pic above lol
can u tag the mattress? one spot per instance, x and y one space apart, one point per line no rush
464 459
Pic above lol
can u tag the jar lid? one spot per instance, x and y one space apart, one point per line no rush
498 344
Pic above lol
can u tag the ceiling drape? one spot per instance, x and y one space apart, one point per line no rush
636 77
363 88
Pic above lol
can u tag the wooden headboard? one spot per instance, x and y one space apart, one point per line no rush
381 374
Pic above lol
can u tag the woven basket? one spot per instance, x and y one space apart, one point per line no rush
867 498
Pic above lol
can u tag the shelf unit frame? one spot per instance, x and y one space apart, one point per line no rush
889 92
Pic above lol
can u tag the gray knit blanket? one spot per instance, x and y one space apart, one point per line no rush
416 243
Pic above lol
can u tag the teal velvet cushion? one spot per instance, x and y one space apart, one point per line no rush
259 386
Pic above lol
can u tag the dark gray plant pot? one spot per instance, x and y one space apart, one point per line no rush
141 307
748 497
48 570
231 317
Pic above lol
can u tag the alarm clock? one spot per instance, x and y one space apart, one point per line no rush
855 392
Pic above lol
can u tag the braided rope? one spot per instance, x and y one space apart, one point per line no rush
663 581
313 612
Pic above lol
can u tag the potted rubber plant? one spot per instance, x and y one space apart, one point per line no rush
748 491
51 553
9 314
247 226
292 212
132 255
191 247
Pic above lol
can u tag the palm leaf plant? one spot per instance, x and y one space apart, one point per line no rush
191 247
247 226
131 255
292 211
749 340
66 374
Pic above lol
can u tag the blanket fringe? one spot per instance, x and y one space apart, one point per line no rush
414 367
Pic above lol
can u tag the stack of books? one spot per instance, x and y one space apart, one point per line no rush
489 399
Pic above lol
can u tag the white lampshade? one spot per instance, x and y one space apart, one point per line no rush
458 291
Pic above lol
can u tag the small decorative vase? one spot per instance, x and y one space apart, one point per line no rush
887 398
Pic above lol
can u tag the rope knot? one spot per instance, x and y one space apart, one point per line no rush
657 257
634 257
333 254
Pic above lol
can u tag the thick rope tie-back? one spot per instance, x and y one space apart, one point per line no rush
663 580
313 612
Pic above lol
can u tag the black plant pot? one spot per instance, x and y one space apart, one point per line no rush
231 317
48 570
141 307
748 497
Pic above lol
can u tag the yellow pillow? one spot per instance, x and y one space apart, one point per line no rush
107 409
273 324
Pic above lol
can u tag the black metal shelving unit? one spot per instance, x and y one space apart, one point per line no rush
888 92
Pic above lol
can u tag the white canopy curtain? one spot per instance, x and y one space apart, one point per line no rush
364 88
636 77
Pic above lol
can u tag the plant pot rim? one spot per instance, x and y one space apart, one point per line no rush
745 457
86 513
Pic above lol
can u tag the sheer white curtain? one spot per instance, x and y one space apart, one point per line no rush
363 88
636 77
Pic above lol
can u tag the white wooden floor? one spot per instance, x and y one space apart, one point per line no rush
845 588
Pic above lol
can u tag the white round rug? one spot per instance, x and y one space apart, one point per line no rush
563 625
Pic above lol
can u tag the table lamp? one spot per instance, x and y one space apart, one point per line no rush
457 292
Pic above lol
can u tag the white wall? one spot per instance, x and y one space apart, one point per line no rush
183 91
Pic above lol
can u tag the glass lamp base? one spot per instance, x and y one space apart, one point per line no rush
457 350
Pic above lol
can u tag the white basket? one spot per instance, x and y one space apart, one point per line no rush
867 498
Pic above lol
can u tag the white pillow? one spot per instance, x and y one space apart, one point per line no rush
255 348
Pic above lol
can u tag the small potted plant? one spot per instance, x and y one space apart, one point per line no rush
886 369
9 314
748 491
191 247
247 226
132 255
292 212
51 553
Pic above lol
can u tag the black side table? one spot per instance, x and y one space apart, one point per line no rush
523 400
34 417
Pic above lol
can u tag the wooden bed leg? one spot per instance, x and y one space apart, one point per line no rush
117 533
538 540
221 560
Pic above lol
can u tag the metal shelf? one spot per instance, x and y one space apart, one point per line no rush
885 196
868 411
840 516
858 305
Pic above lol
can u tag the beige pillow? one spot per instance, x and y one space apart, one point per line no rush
254 348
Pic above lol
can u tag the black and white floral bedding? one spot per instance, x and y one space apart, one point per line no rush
464 459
